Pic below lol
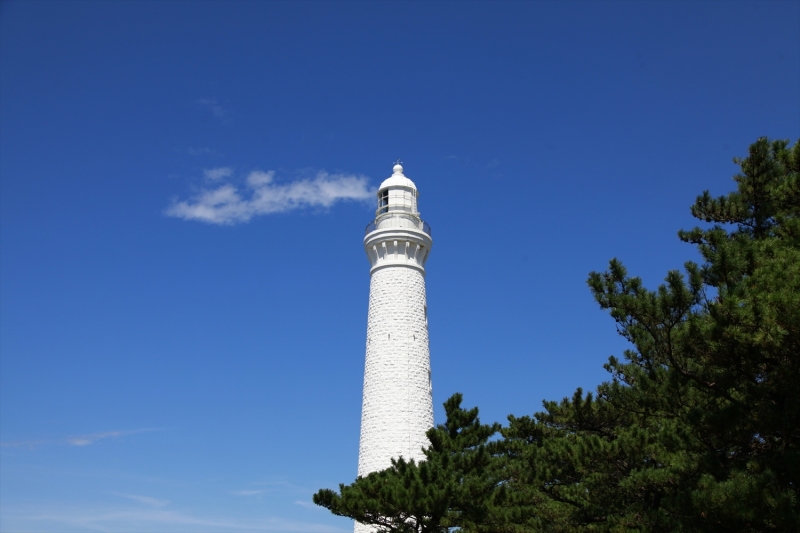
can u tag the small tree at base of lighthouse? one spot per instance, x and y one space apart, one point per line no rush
453 486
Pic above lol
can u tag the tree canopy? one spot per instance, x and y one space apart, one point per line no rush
697 428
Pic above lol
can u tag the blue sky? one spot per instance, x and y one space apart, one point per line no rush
184 188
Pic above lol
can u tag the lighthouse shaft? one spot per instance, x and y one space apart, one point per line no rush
397 408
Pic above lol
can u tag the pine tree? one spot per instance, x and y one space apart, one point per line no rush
443 491
699 426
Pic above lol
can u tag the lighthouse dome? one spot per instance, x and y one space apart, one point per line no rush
397 180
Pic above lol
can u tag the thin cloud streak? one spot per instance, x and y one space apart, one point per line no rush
218 173
147 500
85 440
307 505
116 518
226 205
75 440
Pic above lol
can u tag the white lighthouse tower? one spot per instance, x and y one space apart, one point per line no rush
397 408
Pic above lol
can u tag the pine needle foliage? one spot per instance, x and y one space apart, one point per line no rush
432 495
698 427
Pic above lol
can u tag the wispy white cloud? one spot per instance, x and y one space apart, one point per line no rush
247 492
226 204
85 440
307 504
145 519
218 173
147 500
74 440
91 438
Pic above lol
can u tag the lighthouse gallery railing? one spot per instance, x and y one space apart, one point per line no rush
398 221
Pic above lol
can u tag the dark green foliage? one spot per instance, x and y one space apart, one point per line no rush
698 428
430 496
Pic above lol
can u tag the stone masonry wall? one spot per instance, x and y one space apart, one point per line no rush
397 406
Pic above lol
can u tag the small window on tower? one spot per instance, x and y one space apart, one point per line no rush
383 201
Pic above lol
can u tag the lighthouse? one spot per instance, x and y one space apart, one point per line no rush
397 408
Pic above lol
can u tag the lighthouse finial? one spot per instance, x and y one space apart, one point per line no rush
398 167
